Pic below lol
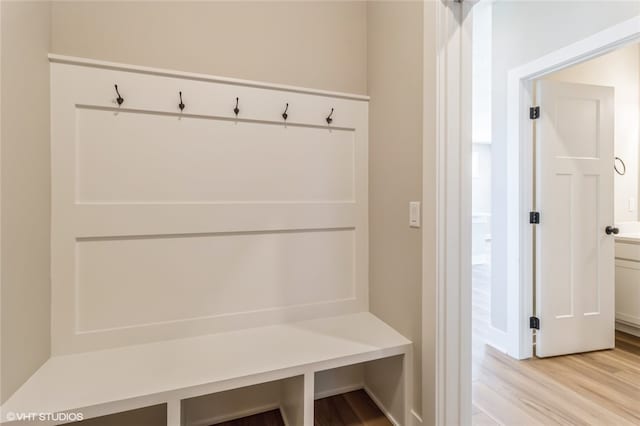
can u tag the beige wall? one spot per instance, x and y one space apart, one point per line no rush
395 83
24 152
374 48
315 44
619 69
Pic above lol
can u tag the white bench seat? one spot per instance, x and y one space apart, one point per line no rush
125 378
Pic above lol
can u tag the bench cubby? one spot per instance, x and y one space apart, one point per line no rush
155 415
286 395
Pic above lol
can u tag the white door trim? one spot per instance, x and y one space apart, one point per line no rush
519 170
453 216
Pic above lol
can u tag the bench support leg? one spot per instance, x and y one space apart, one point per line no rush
309 397
174 413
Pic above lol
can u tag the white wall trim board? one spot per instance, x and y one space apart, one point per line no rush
146 196
417 420
382 408
453 216
519 147
283 413
627 328
338 391
497 338
174 412
63 59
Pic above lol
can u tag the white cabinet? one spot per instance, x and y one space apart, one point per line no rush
628 285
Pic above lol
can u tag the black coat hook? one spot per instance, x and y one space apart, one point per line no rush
181 105
236 110
119 99
329 119
284 114
622 170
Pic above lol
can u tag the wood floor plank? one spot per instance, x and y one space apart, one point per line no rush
326 412
350 409
367 411
269 418
492 401
543 397
482 419
596 388
535 395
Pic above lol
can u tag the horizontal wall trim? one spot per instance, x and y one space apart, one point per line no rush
628 328
211 234
214 117
72 60
627 319
626 263
120 220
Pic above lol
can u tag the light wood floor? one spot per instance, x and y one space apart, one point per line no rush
596 388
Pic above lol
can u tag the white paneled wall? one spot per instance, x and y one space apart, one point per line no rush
168 223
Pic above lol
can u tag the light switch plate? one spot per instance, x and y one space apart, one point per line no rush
414 214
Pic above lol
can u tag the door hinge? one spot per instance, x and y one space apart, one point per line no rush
534 323
534 217
534 112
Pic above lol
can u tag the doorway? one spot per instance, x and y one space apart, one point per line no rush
570 73
521 96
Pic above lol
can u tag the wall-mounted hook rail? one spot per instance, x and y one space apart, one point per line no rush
329 119
236 110
119 99
181 105
284 114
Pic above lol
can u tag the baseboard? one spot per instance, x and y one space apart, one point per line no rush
497 339
238 415
382 408
338 391
628 328
285 420
415 418
480 259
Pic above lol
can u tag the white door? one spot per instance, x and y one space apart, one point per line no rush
574 195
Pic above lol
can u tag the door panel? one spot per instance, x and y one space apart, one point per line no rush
574 193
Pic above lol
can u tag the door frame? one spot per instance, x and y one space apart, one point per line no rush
520 170
452 230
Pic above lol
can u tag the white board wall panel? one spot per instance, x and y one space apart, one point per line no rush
143 157
168 224
112 220
151 280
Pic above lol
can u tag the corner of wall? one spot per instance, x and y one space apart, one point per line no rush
25 291
395 52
